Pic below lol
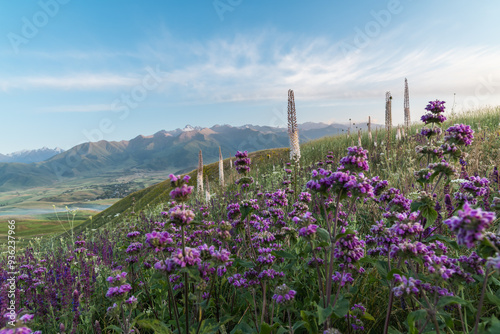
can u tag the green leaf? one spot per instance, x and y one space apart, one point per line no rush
415 205
428 212
446 300
240 263
245 211
493 299
282 331
156 325
368 316
341 307
323 234
382 268
283 254
486 249
393 330
265 328
243 328
324 313
297 325
495 325
414 317
115 328
310 322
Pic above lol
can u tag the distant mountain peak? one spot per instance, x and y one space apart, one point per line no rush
188 128
30 156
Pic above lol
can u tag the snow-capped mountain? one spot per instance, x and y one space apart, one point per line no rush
30 156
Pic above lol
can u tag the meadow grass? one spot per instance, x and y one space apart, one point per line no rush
394 161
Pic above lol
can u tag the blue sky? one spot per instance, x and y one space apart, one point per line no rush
74 71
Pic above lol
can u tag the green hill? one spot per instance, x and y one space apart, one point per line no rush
395 164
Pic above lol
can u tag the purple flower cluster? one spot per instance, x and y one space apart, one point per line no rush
320 181
133 234
433 118
406 229
242 162
429 132
342 278
134 248
357 311
309 231
470 224
118 291
182 193
283 294
406 248
459 134
233 211
434 151
435 107
473 188
406 286
117 279
349 249
191 258
167 265
355 161
181 216
494 263
442 167
379 185
451 149
158 240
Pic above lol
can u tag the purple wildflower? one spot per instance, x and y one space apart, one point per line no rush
459 134
191 258
308 231
470 224
283 294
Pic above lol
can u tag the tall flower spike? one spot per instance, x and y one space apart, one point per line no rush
369 129
221 169
293 131
407 106
207 191
388 115
359 137
200 174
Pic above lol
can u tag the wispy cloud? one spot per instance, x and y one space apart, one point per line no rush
79 108
263 66
84 81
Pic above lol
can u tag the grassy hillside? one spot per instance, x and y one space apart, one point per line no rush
159 193
395 162
348 260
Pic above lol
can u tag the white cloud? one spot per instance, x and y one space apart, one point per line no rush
263 66
80 108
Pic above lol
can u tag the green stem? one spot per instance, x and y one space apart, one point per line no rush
440 177
481 300
263 301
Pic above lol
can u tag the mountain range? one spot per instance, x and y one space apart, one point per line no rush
30 156
169 151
